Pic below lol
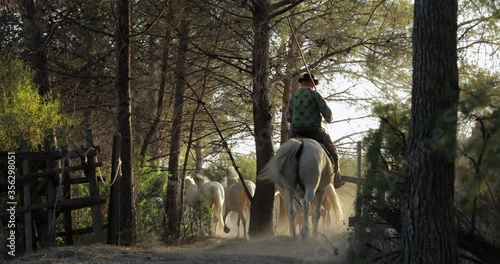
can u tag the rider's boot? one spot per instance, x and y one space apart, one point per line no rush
337 178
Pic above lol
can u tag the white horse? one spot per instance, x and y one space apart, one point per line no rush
211 192
190 191
237 199
331 204
191 198
310 170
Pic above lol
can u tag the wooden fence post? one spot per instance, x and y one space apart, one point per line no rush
358 184
51 194
93 190
28 224
68 220
114 196
354 220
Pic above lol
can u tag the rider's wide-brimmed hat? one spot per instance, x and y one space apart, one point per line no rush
307 78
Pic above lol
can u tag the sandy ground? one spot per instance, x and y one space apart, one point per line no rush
329 246
280 249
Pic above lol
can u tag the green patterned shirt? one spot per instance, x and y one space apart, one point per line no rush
306 108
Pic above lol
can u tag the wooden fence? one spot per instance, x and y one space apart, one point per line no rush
43 184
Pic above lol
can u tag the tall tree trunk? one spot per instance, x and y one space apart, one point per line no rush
36 54
429 233
90 85
289 85
36 58
172 208
123 121
262 205
161 99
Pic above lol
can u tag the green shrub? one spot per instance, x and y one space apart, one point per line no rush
151 192
197 222
24 114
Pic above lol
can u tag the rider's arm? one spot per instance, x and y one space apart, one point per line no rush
324 109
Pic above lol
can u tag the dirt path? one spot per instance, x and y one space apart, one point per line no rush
329 247
280 249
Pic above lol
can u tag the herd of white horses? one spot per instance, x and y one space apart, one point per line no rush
223 199
303 181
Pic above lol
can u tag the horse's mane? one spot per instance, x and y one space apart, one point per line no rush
190 179
202 179
231 173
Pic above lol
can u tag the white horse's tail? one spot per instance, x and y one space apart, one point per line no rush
284 162
218 195
337 208
218 198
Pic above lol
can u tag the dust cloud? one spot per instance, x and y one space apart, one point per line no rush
329 246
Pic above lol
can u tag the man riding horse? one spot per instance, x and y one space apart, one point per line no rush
305 114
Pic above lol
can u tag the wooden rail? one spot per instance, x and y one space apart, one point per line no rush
48 172
45 194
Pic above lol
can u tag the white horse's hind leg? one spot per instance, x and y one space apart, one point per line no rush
238 225
247 215
217 207
241 217
244 222
218 211
306 204
320 194
289 194
226 212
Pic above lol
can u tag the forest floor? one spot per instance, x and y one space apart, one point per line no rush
329 248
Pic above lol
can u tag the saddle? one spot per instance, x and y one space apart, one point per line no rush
337 179
299 152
